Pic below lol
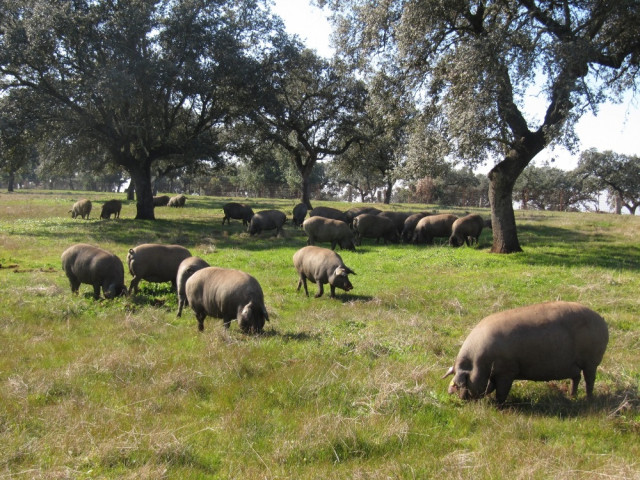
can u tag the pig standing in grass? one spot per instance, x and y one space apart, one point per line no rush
267 220
433 226
88 264
237 211
227 294
156 263
177 201
187 267
368 225
81 208
161 200
410 225
321 265
546 341
320 229
111 207
352 213
466 229
299 213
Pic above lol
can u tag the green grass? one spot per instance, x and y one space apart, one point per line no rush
335 388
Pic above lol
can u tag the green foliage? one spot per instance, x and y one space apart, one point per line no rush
619 174
335 388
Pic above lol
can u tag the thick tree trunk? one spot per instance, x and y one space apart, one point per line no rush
387 192
11 182
306 186
131 190
141 178
503 221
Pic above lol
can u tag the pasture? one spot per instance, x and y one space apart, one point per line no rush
334 388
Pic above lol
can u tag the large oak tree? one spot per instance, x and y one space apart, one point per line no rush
310 108
145 80
474 63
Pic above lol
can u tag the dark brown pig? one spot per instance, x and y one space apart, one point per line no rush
155 263
227 294
321 266
433 226
397 218
320 229
237 211
410 225
466 229
352 213
299 213
88 264
111 207
542 342
368 225
267 220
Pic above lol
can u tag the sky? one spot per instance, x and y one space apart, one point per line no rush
616 127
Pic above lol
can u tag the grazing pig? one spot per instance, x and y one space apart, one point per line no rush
88 264
320 229
368 225
433 226
466 229
187 267
410 225
237 211
177 201
546 341
397 218
111 207
161 200
227 294
328 212
321 265
81 208
299 212
267 220
352 213
155 263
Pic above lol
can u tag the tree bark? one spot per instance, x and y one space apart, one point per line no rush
502 178
306 196
388 191
11 182
141 178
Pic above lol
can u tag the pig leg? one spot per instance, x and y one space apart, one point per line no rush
200 317
589 373
503 386
333 291
303 281
96 291
320 290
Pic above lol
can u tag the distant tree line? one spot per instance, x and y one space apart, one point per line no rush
214 96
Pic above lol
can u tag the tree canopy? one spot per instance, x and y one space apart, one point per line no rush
474 65
143 80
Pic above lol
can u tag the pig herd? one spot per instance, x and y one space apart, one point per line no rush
547 341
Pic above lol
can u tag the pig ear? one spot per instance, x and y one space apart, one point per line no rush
451 371
349 271
264 312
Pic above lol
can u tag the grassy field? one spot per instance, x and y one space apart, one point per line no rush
335 388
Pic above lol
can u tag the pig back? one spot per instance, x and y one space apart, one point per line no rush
549 341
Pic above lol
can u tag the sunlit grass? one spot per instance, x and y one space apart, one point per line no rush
335 388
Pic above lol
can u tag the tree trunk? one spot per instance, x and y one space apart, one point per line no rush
388 191
141 178
502 178
11 182
306 186
131 190
618 204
